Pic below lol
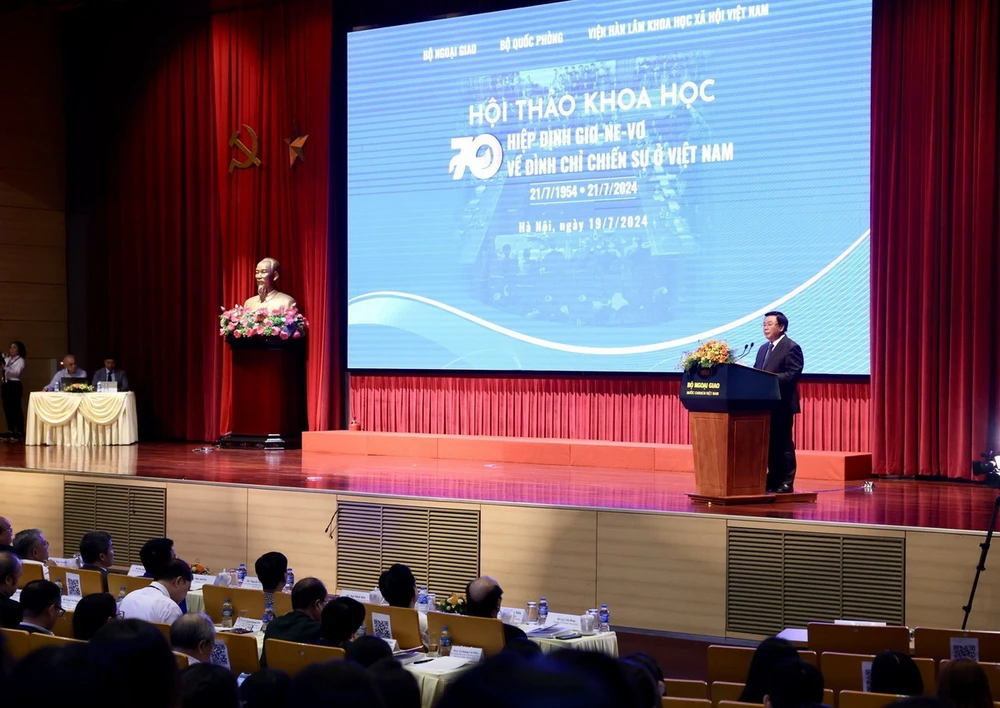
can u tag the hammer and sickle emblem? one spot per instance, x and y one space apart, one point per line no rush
251 153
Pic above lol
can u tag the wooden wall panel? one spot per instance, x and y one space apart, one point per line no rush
663 572
208 524
533 552
293 523
34 500
32 227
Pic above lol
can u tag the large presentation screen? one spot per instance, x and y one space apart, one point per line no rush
600 185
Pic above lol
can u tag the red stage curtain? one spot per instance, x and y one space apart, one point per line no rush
834 414
935 255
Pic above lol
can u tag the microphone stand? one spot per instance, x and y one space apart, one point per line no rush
985 545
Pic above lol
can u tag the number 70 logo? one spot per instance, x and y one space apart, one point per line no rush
482 166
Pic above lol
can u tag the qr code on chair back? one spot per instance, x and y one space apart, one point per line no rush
381 626
73 585
964 648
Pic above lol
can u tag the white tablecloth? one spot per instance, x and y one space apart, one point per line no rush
81 419
605 643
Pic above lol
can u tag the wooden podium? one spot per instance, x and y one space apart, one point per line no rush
730 413
269 401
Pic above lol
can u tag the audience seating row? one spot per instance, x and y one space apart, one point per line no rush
21 643
242 600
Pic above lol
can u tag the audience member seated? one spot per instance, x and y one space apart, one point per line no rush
93 612
964 684
524 648
69 371
770 652
10 576
483 598
193 634
271 569
76 668
399 589
111 372
399 688
609 671
335 683
142 655
650 665
643 685
158 602
920 702
302 624
895 672
340 621
267 688
41 602
794 683
32 548
208 686
155 553
6 535
368 650
97 551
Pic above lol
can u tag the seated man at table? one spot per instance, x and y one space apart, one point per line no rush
159 601
399 589
41 602
69 371
302 624
111 372
341 619
483 597
10 575
156 553
97 551
32 548
271 569
193 634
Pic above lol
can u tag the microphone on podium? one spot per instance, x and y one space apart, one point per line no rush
747 348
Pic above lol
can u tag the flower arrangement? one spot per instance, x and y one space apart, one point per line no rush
708 356
241 323
453 604
79 388
199 569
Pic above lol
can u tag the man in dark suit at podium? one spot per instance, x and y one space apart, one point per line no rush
783 357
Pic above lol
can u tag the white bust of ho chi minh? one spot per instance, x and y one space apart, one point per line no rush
268 297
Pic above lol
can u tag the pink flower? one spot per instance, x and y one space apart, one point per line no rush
296 335
284 334
236 334
232 326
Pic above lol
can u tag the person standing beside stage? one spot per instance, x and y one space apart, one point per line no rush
783 357
11 389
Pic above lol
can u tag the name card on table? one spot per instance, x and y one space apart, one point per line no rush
64 562
251 584
474 654
358 595
200 581
568 621
136 571
69 602
393 644
513 615
249 624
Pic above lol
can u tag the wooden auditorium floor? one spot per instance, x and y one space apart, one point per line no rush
920 504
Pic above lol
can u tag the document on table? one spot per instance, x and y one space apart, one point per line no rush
441 665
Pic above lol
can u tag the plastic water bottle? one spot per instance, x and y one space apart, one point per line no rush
422 600
59 583
289 582
361 631
227 614
444 648
268 615
241 574
121 596
543 611
605 619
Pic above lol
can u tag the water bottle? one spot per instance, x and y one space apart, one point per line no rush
422 600
227 614
268 615
605 619
444 648
121 596
361 631
289 582
543 611
59 583
241 574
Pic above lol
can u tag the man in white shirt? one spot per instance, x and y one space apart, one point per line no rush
159 601
193 634
32 548
69 371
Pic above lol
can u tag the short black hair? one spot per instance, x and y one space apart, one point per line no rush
307 592
895 672
368 650
341 619
22 351
92 613
399 688
174 569
155 553
794 683
209 686
39 595
142 654
338 683
397 585
271 569
8 564
486 606
77 665
93 544
780 316
267 688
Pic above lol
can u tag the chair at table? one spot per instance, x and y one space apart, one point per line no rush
735 704
128 582
183 660
250 601
487 634
935 644
29 572
843 672
64 626
282 603
91 581
18 642
682 688
858 699
726 691
164 629
243 657
855 639
729 664
292 657
39 640
669 702
405 624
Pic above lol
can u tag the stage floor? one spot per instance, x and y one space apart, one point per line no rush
933 505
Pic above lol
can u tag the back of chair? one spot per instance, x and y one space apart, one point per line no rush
64 626
405 624
853 639
128 582
670 702
927 674
282 603
250 601
844 672
164 629
243 656
39 640
730 664
828 697
735 704
292 657
91 581
726 691
992 675
29 572
18 642
481 632
183 660
936 643
858 699
681 688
